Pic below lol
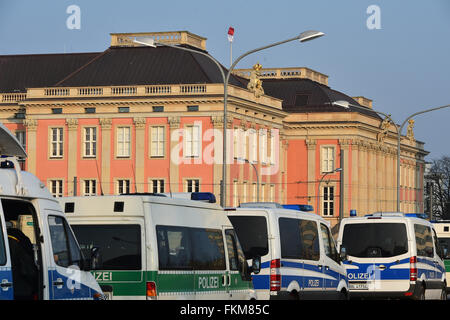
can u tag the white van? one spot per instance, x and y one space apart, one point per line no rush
298 254
39 255
155 247
442 228
391 255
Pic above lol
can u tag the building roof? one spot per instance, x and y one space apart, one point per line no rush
115 66
146 65
301 95
18 72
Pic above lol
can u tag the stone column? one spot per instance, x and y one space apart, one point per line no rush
174 124
72 154
106 184
344 193
355 200
31 128
139 124
312 186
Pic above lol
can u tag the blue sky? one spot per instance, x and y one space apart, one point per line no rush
404 66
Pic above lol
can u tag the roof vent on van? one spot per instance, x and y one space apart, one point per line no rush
385 214
267 205
299 207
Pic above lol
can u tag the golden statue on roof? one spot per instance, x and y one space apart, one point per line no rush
255 83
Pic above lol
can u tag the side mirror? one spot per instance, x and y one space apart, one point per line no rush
256 265
343 254
95 255
444 252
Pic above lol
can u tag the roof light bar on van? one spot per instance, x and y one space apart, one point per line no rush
203 196
384 214
299 207
267 205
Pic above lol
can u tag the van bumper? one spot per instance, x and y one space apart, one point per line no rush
282 295
412 293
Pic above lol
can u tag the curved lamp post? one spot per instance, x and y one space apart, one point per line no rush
303 37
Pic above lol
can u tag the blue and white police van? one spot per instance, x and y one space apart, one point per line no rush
392 255
298 255
39 256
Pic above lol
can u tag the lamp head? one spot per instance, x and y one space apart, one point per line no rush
145 41
309 35
341 103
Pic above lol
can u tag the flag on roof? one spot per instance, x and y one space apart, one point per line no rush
230 34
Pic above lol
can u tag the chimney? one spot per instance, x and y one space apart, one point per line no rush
363 101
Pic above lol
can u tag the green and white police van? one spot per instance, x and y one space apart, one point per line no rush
156 247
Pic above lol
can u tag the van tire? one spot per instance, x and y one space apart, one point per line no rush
343 295
293 295
443 294
421 294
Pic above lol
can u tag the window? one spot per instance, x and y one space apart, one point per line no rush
123 142
119 245
263 192
157 141
244 150
235 193
254 146
56 188
123 109
123 186
209 251
310 240
366 240
272 193
89 110
236 256
56 142
252 234
328 243
158 108
327 159
89 187
65 249
192 141
192 185
190 248
255 192
90 141
290 240
22 137
424 241
263 145
2 247
157 185
328 201
244 191
192 108
56 110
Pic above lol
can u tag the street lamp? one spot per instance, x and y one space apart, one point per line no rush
302 37
257 179
318 187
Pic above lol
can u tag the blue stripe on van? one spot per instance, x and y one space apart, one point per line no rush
80 291
368 271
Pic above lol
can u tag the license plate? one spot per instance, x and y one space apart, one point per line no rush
360 285
108 295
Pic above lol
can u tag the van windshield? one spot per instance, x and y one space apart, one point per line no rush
119 246
252 234
381 240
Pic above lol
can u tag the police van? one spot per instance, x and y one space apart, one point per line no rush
157 247
442 228
298 255
391 255
39 255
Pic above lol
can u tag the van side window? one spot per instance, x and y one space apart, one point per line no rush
310 240
2 247
119 245
209 251
290 240
437 245
328 243
231 249
174 248
64 245
424 241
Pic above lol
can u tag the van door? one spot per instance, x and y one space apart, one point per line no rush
312 264
6 280
208 259
65 277
238 285
331 269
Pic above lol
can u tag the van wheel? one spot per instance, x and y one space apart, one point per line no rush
421 294
443 294
293 295
343 295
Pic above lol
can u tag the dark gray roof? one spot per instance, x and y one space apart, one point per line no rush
305 95
18 72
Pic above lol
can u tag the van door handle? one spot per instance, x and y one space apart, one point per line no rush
5 285
58 282
224 280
